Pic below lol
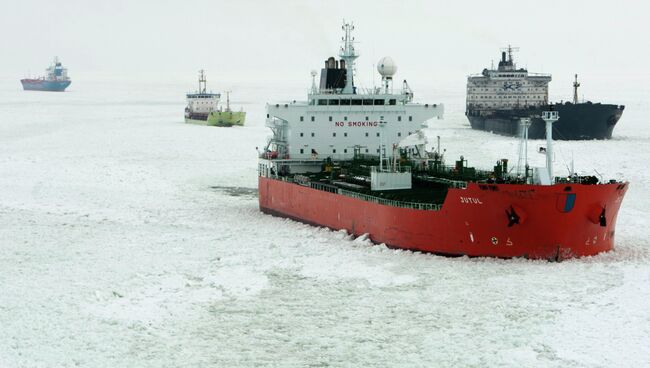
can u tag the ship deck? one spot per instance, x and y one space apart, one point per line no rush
430 183
353 178
422 191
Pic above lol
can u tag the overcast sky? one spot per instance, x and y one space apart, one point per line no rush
431 41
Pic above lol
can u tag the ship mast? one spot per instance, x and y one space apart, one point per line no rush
202 82
314 90
549 118
575 90
382 149
348 54
510 50
523 147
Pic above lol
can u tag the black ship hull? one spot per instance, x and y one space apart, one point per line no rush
577 121
196 116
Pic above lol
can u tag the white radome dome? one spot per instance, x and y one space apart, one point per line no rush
386 66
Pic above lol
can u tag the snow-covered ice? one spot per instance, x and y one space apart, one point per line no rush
124 244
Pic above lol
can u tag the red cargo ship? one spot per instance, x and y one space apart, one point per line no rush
552 222
411 199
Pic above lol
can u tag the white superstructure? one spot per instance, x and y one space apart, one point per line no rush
201 103
56 72
338 119
507 87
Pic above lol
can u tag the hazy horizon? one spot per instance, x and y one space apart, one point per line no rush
432 43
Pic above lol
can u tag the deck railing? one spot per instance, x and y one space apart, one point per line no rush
325 187
304 180
391 202
364 197
448 182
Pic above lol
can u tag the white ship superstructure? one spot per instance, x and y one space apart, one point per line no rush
507 87
339 120
56 72
201 103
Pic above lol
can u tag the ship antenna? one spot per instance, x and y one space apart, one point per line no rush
348 54
510 50
227 101
575 90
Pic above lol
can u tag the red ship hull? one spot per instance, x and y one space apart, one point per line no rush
554 222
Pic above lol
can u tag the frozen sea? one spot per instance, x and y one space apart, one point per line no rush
130 239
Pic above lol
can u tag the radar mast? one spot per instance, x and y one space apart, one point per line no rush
202 81
510 50
575 90
348 54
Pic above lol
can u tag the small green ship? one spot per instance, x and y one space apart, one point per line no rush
203 108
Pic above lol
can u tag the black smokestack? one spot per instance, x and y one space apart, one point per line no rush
503 56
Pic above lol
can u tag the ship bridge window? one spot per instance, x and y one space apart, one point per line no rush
356 102
312 134
399 118
302 118
345 134
410 118
313 118
367 118
379 102
367 102
392 101
322 102
330 118
334 102
334 134
345 102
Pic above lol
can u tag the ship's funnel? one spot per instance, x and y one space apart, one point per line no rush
503 56
331 63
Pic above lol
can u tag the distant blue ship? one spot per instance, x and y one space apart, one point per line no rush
56 80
